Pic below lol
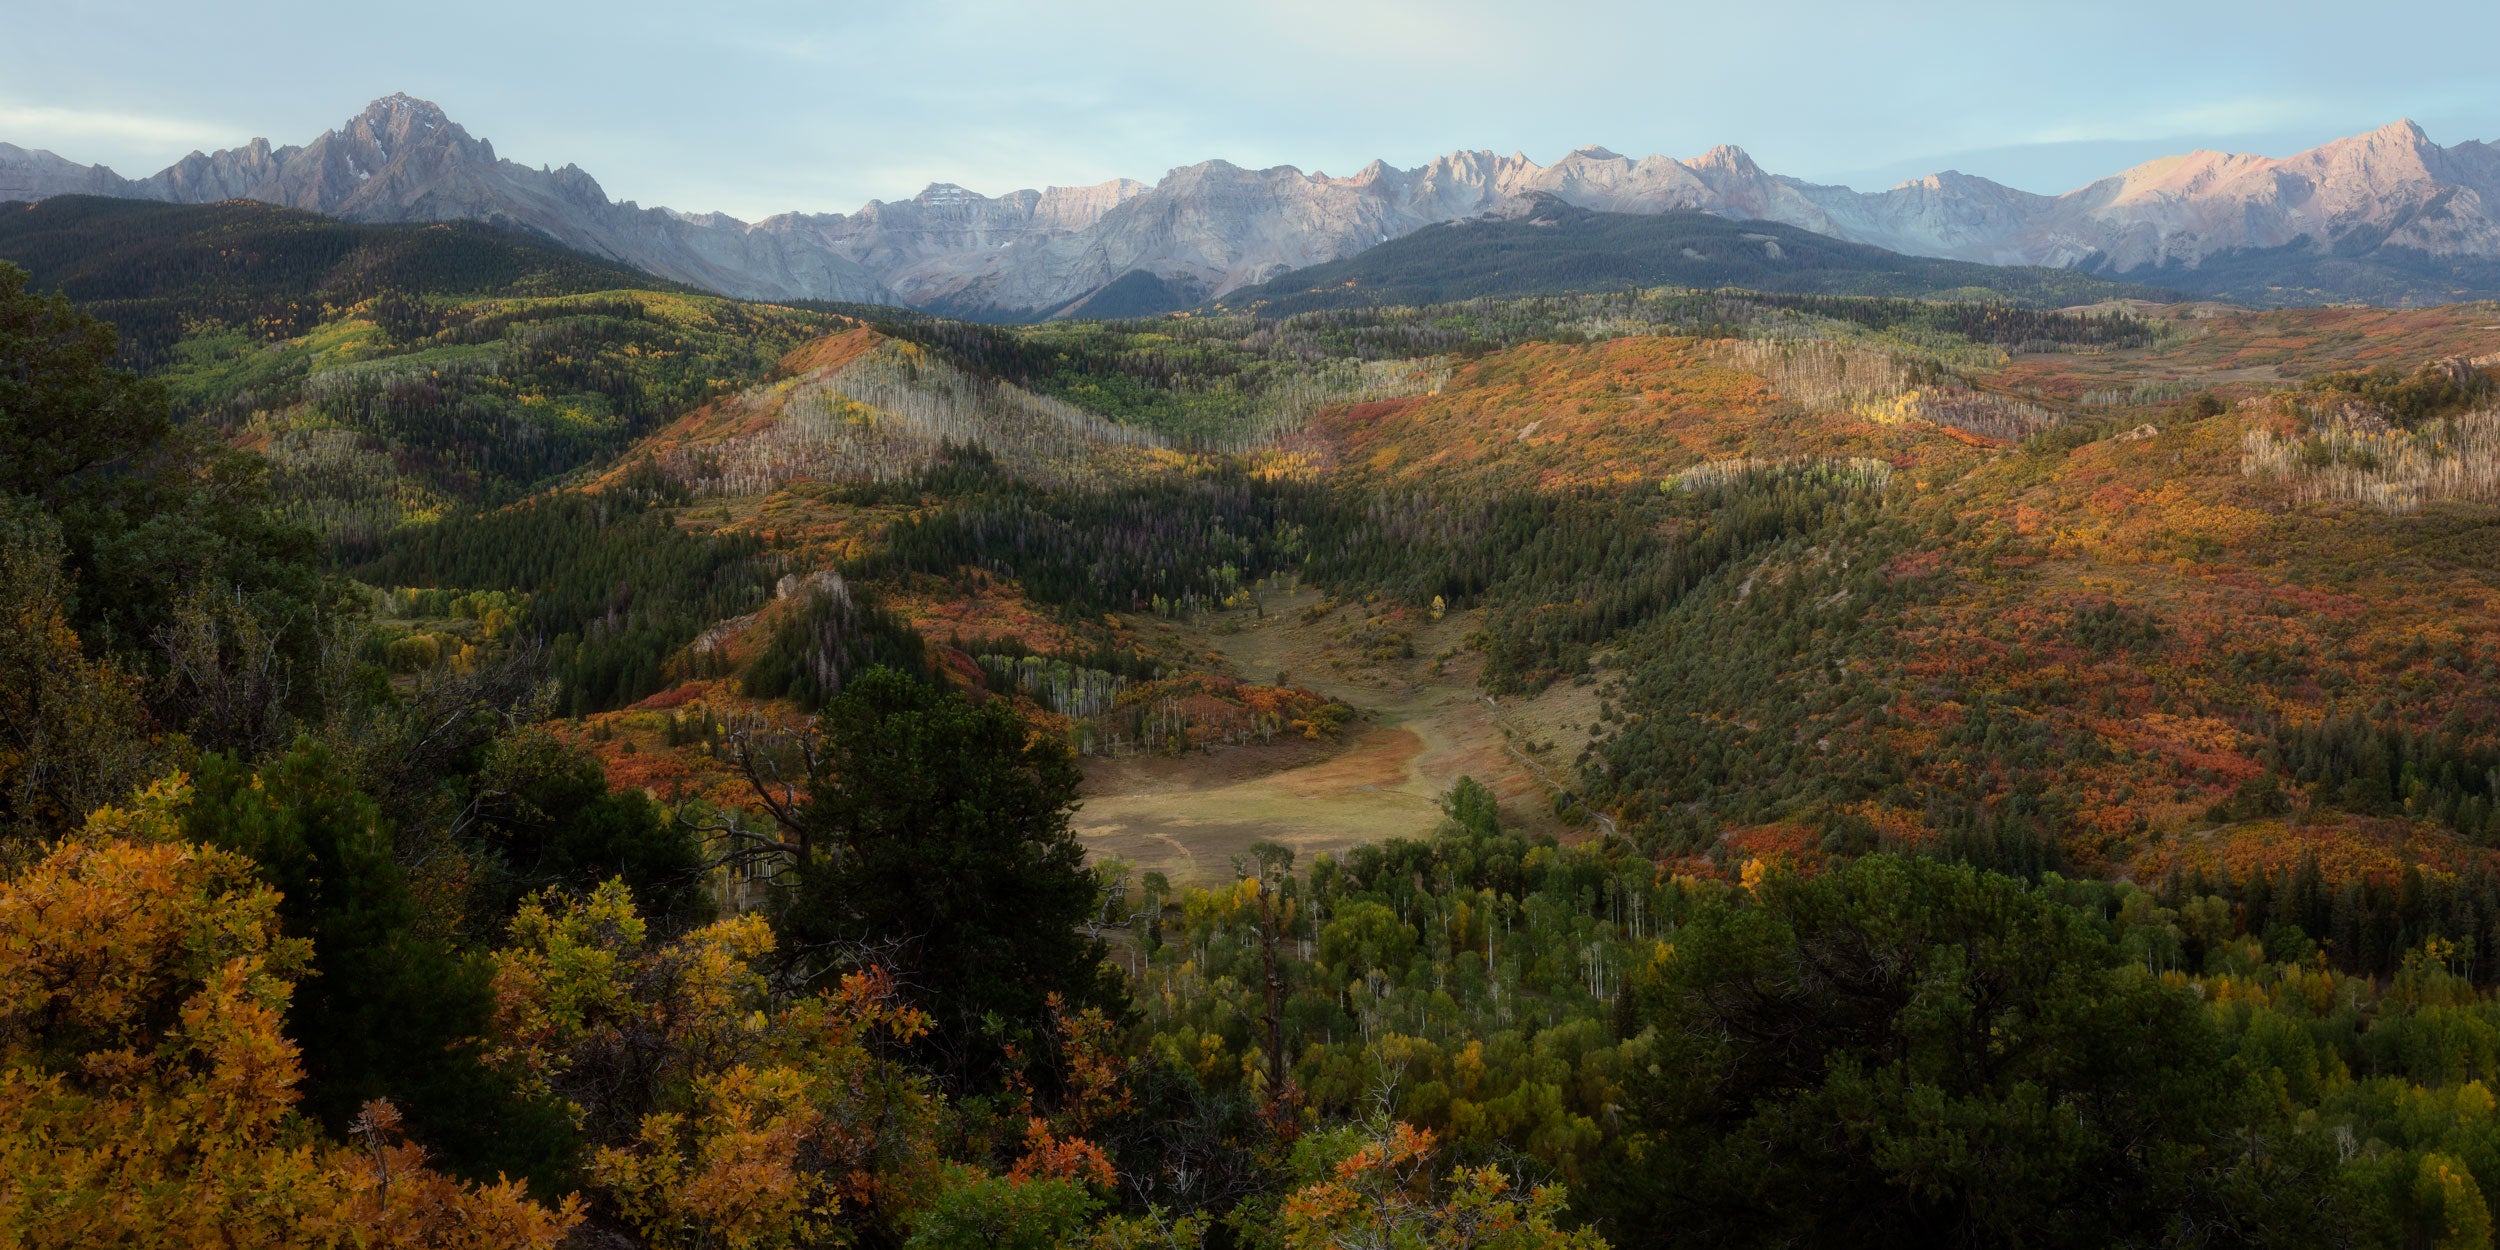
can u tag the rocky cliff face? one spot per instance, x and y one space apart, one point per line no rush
1209 228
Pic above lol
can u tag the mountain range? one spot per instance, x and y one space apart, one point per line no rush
2388 216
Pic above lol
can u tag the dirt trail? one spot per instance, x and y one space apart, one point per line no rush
1421 732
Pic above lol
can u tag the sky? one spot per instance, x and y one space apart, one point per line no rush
764 106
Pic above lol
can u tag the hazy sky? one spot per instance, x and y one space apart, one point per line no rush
762 106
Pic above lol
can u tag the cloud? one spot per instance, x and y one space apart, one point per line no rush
43 125
2237 115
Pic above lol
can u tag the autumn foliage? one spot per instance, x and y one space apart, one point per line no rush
147 1088
719 1117
1386 1191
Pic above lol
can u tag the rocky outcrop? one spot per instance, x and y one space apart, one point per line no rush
1209 228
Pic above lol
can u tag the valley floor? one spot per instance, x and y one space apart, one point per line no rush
1421 731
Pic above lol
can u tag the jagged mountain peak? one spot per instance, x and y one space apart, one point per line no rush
2399 149
2402 132
1726 157
395 122
400 108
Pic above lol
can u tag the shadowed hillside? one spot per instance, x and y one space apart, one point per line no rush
1554 248
149 268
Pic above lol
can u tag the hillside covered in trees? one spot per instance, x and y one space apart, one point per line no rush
388 373
1545 246
153 268
1972 772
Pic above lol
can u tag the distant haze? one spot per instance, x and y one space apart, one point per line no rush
771 106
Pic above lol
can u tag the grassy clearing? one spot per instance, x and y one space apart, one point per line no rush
1423 730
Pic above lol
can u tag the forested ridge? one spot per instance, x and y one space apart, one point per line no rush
1551 246
2032 792
150 268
